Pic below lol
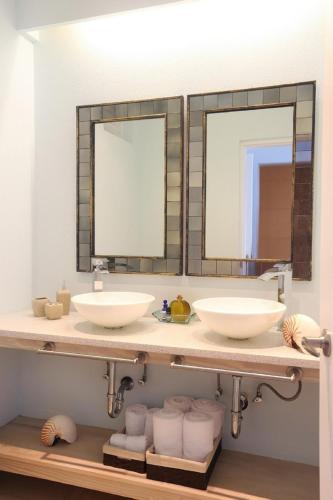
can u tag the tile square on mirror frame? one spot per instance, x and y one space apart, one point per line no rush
288 94
174 179
160 266
173 120
96 113
304 109
196 149
208 267
195 164
84 141
84 237
173 208
173 266
305 92
195 223
239 99
133 264
147 108
175 136
120 110
196 134
84 264
84 128
194 267
194 252
196 103
255 97
173 223
84 210
272 96
146 265
174 105
173 251
173 149
160 106
84 223
84 250
224 267
84 114
195 209
225 100
210 101
303 126
84 183
108 111
173 237
173 194
194 237
195 179
84 155
84 169
84 196
196 118
195 194
133 109
173 165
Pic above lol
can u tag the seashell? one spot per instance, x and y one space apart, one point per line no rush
298 326
58 427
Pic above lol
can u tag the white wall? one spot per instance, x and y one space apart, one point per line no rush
33 14
170 50
16 157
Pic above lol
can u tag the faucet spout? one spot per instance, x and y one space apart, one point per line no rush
283 272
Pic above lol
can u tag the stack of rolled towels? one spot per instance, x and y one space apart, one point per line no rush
139 429
184 428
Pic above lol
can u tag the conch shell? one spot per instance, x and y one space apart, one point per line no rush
298 326
58 427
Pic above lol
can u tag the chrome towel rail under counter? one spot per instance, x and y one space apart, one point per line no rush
293 374
50 349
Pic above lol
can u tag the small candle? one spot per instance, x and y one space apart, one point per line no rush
38 306
54 310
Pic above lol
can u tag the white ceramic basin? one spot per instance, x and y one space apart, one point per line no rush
239 318
112 309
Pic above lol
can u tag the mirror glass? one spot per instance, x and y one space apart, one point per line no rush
129 187
249 184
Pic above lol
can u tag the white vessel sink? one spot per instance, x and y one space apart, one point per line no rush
112 309
239 318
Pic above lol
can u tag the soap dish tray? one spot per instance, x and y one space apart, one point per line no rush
167 319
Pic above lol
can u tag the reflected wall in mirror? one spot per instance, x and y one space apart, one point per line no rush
130 187
250 177
129 161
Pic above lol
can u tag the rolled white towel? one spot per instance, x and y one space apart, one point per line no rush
135 419
168 432
198 435
182 403
137 443
149 430
118 440
213 408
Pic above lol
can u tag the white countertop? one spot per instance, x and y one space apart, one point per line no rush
147 334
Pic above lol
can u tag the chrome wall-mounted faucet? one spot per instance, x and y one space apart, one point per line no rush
283 272
100 267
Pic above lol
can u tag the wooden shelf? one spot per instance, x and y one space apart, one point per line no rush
237 476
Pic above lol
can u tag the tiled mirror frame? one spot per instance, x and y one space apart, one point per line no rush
302 96
173 110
